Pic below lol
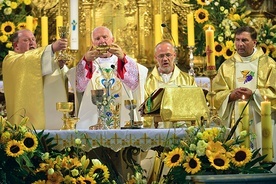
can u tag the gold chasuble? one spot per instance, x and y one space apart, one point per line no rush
24 91
178 78
224 82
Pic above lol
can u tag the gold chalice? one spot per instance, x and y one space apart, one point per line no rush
97 97
70 123
65 108
63 32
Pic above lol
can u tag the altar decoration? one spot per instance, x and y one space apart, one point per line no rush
28 156
224 17
208 151
13 17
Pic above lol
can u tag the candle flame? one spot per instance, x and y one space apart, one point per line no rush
243 97
265 98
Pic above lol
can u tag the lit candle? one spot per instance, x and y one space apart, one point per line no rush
174 28
210 48
244 121
266 130
29 23
44 31
59 23
157 29
191 29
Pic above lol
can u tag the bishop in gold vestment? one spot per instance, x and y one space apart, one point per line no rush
33 83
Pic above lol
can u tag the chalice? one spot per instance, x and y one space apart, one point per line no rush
65 108
63 32
131 105
97 97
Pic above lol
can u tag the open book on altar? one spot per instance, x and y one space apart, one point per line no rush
179 103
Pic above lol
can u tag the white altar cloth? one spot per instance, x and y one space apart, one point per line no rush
117 139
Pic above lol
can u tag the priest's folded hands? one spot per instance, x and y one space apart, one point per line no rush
240 93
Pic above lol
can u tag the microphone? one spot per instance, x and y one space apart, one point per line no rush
113 68
169 30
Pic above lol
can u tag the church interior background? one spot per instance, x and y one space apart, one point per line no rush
133 25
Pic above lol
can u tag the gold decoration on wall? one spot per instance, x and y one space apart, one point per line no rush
131 22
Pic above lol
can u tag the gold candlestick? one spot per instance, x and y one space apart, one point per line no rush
213 116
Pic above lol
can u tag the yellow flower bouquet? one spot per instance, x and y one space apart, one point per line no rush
224 17
208 151
27 156
12 18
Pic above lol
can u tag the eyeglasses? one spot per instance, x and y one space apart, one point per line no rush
161 56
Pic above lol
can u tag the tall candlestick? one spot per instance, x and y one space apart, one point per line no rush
59 23
174 28
266 130
157 29
44 31
29 23
191 29
244 121
210 49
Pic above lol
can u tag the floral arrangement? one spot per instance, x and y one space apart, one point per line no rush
208 151
12 18
224 17
28 156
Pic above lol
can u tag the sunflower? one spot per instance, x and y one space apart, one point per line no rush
265 48
219 161
87 180
219 48
241 156
174 157
21 25
14 148
30 142
192 164
201 15
227 53
8 28
99 169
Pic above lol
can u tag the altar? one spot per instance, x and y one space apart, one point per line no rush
117 139
119 149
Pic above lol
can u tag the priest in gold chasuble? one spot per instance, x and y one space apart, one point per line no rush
248 72
33 82
166 73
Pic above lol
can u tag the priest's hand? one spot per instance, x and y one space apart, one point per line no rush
91 55
59 45
240 93
116 50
